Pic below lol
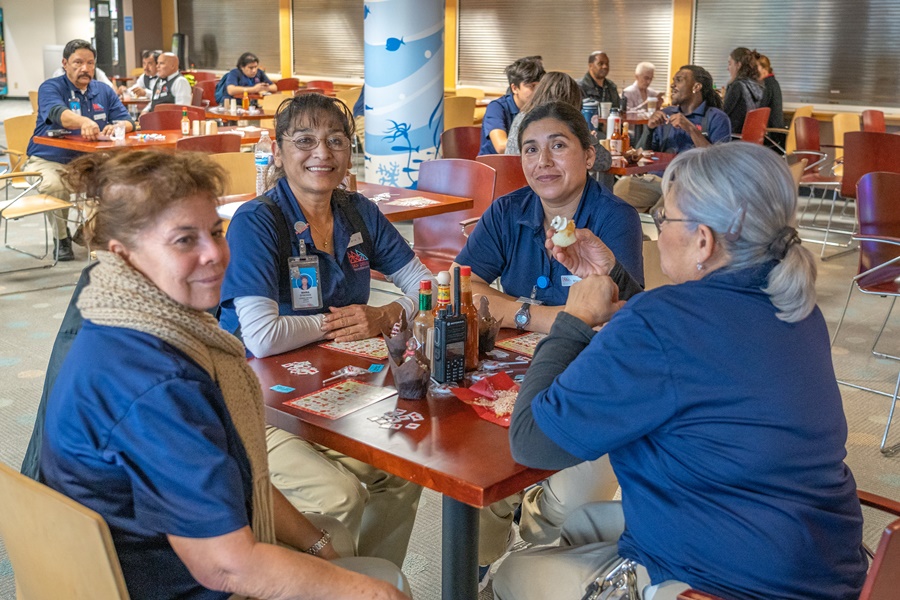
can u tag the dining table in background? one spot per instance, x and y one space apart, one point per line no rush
220 113
660 162
453 451
140 141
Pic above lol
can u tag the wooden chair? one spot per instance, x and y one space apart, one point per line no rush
241 169
167 120
842 124
873 120
510 176
461 142
209 90
23 204
791 141
58 548
18 133
459 111
288 84
33 98
309 90
653 275
325 86
754 129
272 102
439 238
197 96
349 96
204 76
883 579
471 92
219 142
195 113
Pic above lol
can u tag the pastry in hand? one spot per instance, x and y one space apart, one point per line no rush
565 231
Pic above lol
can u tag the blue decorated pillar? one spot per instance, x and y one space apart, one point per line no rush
404 93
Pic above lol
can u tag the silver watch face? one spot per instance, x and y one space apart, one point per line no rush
522 317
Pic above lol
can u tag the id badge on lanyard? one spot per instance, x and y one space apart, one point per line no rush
306 291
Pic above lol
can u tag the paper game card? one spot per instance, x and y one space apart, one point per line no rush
523 344
372 348
341 399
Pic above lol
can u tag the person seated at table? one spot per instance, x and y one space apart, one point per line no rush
595 84
694 120
77 102
348 236
744 92
727 434
640 91
508 242
246 77
523 76
144 83
170 86
156 419
771 98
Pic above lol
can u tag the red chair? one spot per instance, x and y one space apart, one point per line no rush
873 120
161 121
755 123
510 176
461 142
195 113
197 97
209 91
224 142
439 238
328 86
309 90
204 76
289 84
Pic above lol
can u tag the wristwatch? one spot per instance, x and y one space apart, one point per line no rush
523 316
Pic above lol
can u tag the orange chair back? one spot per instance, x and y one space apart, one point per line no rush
287 84
217 143
461 142
438 239
328 86
209 90
755 123
867 152
873 120
168 120
510 176
195 113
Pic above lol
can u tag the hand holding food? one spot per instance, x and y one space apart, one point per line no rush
565 231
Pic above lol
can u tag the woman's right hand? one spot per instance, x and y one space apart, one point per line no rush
587 256
594 300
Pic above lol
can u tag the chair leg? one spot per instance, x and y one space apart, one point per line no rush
880 331
843 314
890 451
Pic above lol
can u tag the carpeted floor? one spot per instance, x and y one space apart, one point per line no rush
32 305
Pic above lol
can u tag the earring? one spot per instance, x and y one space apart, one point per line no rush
699 266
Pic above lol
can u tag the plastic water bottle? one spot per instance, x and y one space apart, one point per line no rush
263 153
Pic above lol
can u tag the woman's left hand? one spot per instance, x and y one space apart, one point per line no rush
587 256
359 321
594 300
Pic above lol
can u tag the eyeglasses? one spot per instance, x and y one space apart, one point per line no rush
659 217
311 142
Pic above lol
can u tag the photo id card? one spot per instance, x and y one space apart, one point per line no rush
305 290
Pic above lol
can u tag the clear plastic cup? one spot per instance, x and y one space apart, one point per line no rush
651 104
118 132
605 107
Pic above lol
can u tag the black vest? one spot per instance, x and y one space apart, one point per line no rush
162 91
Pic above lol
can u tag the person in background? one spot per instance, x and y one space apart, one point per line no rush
744 92
523 76
170 87
694 120
156 420
144 83
247 77
771 97
595 84
79 103
733 476
508 243
638 92
349 236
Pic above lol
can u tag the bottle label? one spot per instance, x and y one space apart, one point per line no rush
615 146
263 160
443 294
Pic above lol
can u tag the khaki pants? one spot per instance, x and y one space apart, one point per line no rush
544 507
52 185
643 192
588 549
379 509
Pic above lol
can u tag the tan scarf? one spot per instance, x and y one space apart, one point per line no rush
120 296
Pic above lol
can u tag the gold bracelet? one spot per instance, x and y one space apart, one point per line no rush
317 547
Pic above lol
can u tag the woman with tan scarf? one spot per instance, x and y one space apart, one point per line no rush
156 420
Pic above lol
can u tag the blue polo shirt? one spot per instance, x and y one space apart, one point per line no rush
343 278
726 431
237 77
99 102
667 138
508 241
499 114
138 432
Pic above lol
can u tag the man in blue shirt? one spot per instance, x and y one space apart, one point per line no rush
523 76
695 120
77 102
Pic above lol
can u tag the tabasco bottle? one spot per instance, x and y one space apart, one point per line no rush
443 297
185 123
423 324
615 140
626 138
468 310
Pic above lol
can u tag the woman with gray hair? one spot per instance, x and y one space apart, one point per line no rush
714 398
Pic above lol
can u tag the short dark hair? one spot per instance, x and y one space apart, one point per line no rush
529 69
148 53
561 111
246 58
78 45
595 55
708 89
746 60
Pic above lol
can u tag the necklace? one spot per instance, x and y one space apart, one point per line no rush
326 239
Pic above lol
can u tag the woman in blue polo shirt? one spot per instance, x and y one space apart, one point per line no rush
305 222
247 77
156 421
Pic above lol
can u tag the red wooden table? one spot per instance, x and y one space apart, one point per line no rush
132 142
219 112
660 163
454 452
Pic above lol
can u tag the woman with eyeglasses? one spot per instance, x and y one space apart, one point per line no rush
306 224
714 398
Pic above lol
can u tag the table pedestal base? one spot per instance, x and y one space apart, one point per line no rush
459 551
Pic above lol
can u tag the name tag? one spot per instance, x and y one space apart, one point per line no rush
569 280
355 240
100 117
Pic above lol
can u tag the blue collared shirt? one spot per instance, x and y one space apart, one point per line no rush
344 278
98 102
499 114
667 138
237 77
508 241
